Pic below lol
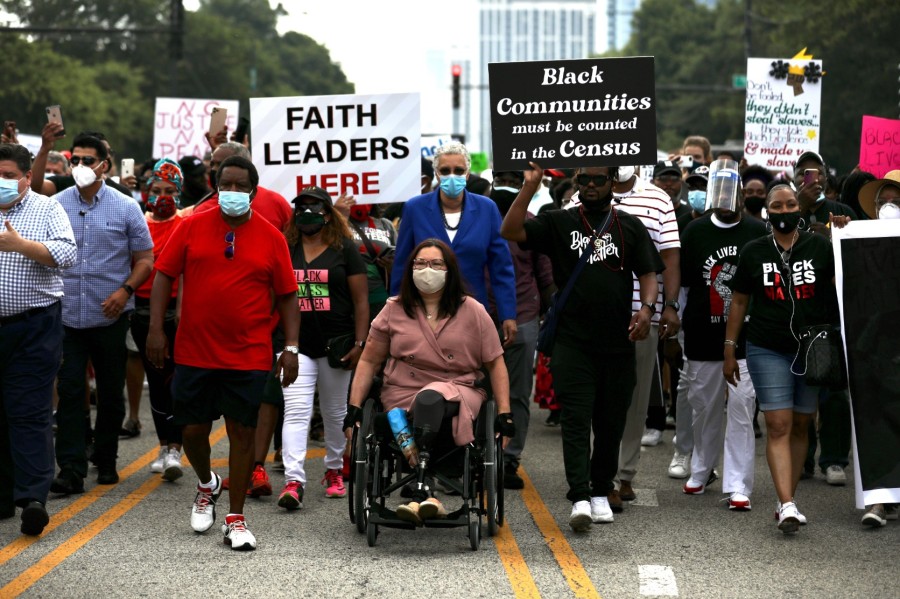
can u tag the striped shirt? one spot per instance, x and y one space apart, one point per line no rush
108 231
28 284
654 208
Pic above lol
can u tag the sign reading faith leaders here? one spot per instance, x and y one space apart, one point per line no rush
364 146
782 110
572 113
180 123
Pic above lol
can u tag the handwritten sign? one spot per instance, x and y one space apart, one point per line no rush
361 145
782 113
879 148
573 113
179 125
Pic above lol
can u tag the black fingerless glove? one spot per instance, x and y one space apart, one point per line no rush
505 425
353 417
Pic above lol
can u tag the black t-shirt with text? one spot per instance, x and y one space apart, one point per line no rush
598 311
788 290
709 258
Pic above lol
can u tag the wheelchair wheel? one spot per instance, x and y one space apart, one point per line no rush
371 533
359 495
474 528
491 469
501 474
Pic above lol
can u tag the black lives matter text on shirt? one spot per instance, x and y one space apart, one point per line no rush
709 259
573 113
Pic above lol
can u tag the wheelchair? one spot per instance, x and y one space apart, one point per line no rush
379 469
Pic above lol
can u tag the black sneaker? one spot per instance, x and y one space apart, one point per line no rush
34 518
107 475
511 478
553 418
67 483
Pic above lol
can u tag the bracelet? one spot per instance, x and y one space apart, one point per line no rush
731 343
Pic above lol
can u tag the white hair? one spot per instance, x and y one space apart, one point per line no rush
454 147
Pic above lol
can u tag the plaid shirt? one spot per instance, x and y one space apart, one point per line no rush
28 284
108 231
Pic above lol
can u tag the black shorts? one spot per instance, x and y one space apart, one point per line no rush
201 395
273 393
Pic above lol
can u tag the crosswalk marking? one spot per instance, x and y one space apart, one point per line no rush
658 581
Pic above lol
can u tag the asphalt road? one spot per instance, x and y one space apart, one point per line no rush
133 539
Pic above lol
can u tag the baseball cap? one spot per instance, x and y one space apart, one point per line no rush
191 165
313 192
666 166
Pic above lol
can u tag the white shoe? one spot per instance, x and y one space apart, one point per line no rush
172 465
788 518
237 535
580 519
600 510
680 466
834 475
158 465
740 502
651 437
203 512
800 516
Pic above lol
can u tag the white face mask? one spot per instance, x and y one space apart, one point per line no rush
429 280
889 211
625 173
84 175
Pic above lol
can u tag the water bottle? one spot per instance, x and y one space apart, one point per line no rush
400 428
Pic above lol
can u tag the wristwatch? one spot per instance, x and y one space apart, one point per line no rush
293 349
649 306
673 304
360 344
128 289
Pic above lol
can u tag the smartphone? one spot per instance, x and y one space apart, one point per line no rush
217 118
54 115
241 131
810 176
686 162
127 169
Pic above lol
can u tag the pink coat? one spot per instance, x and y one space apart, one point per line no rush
446 360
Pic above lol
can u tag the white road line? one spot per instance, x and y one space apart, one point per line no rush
658 581
645 497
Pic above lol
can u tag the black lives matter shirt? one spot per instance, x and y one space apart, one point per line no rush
786 292
598 311
709 259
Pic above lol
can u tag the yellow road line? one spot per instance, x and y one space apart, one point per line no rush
517 571
572 569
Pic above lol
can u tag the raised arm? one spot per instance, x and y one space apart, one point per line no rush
513 226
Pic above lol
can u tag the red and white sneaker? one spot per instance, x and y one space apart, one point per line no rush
739 502
203 511
334 483
692 487
236 533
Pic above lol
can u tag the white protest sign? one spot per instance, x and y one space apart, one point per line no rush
430 144
782 113
32 142
359 145
179 125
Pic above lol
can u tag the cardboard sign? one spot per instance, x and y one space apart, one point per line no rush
879 148
573 113
782 112
359 145
180 123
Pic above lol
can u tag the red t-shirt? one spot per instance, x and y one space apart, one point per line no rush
160 233
226 305
269 204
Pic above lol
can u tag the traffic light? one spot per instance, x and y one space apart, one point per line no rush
456 71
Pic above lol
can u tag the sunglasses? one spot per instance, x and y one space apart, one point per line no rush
597 180
314 207
229 239
446 170
86 160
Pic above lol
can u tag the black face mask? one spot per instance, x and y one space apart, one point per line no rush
504 200
754 204
785 222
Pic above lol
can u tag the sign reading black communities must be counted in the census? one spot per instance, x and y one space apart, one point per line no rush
572 113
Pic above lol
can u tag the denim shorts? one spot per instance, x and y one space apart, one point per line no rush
777 388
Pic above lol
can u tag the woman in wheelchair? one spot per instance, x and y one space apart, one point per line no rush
436 340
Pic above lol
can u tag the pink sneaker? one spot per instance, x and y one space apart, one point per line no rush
334 483
291 497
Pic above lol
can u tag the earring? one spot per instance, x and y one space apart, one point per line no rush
802 223
768 227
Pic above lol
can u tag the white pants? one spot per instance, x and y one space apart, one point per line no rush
684 416
298 408
706 394
645 369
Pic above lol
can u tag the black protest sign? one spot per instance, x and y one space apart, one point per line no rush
573 113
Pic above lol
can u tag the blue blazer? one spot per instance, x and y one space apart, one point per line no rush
477 246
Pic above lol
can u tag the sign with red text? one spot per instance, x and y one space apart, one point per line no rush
366 146
879 147
782 110
179 125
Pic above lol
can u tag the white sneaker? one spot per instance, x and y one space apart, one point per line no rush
788 518
157 465
680 465
172 465
600 510
203 512
580 519
739 502
236 533
651 437
834 475
800 516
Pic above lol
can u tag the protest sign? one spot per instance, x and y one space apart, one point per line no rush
573 113
430 144
179 125
867 275
879 147
32 142
784 98
359 145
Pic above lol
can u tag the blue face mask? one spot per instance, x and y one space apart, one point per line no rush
453 185
9 191
697 200
234 203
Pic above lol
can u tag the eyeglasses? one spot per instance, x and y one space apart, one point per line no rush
436 264
597 180
87 160
229 239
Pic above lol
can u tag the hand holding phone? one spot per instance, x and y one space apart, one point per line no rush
127 169
810 176
686 162
217 118
54 115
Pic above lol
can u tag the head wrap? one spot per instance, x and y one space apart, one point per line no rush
166 170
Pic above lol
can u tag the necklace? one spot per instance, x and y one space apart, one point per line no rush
598 238
462 207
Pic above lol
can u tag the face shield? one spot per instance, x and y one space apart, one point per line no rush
724 188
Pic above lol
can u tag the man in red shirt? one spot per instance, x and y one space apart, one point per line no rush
232 263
